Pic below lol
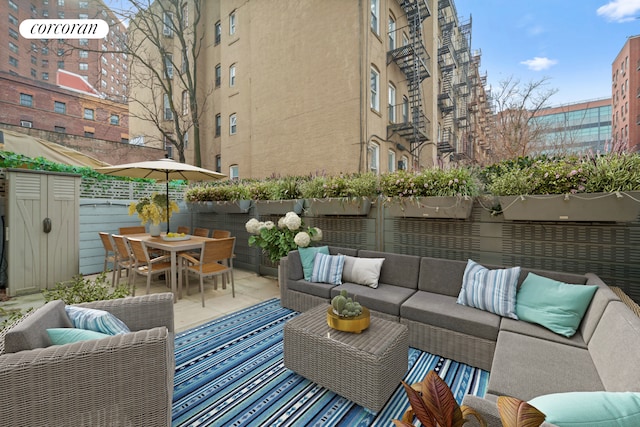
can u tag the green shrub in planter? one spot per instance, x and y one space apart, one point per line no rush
85 290
341 186
430 182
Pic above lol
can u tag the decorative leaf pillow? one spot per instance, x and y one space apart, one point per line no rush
362 271
490 290
96 320
327 269
557 306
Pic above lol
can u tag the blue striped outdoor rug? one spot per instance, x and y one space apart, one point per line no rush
230 372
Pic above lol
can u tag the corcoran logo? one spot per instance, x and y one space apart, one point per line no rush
64 29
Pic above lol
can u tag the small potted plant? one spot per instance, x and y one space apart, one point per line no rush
430 193
347 315
345 194
154 210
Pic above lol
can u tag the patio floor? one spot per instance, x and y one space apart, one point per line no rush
188 311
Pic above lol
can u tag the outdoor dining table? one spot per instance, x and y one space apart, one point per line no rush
173 247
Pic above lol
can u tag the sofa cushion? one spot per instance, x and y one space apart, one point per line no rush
615 346
385 298
327 268
526 367
60 336
603 296
443 312
397 269
442 276
490 290
307 256
31 332
96 320
595 408
537 331
322 290
555 305
363 271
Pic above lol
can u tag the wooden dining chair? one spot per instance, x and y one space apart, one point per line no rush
110 254
221 234
124 258
183 229
144 265
201 232
216 260
138 229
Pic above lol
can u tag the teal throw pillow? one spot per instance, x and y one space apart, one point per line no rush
96 320
60 336
327 269
306 257
490 290
594 409
557 306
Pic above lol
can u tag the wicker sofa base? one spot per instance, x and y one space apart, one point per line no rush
365 368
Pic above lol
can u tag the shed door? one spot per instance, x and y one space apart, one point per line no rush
38 260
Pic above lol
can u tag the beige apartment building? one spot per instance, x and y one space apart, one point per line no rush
297 87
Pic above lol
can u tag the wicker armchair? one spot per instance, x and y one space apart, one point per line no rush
123 380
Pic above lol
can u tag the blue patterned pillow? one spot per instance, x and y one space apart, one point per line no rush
490 290
96 320
327 269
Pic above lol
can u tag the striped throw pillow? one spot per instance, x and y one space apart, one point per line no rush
327 269
96 320
490 290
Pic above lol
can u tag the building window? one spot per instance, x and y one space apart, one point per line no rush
59 107
218 124
61 14
375 92
391 161
392 33
83 66
13 61
375 12
83 42
233 120
405 109
45 76
13 6
218 75
234 172
232 75
13 47
26 100
115 120
83 5
83 54
168 63
60 129
26 123
392 103
13 20
60 2
374 158
218 32
88 134
185 102
404 163
89 114
218 163
34 73
13 33
45 63
83 16
232 23
185 16
185 61
168 114
61 65
167 21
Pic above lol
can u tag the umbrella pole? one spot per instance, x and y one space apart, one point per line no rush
167 202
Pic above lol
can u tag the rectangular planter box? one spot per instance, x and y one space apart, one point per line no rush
605 207
338 206
456 207
278 207
238 206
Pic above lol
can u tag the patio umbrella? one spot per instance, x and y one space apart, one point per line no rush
161 170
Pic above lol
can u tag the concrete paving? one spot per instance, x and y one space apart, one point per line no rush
188 311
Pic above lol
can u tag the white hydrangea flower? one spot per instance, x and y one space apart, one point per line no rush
292 222
302 239
281 223
269 225
253 226
318 234
261 225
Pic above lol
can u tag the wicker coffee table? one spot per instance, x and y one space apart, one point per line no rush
365 368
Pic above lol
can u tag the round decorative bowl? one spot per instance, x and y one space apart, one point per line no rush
349 324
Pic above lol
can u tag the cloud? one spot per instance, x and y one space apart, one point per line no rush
539 64
620 10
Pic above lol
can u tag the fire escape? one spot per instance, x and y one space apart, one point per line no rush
412 60
447 61
463 90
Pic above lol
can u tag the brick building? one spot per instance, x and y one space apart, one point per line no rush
625 92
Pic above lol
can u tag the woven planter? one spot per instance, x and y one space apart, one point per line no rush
238 206
338 206
457 207
278 207
597 207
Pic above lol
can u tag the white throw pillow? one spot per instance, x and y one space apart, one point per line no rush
363 271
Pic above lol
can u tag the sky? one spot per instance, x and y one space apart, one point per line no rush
573 43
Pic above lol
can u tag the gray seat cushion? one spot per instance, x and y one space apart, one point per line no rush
526 367
443 311
397 270
32 332
385 298
537 331
322 290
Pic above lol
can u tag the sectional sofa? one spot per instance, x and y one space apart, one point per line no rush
525 360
